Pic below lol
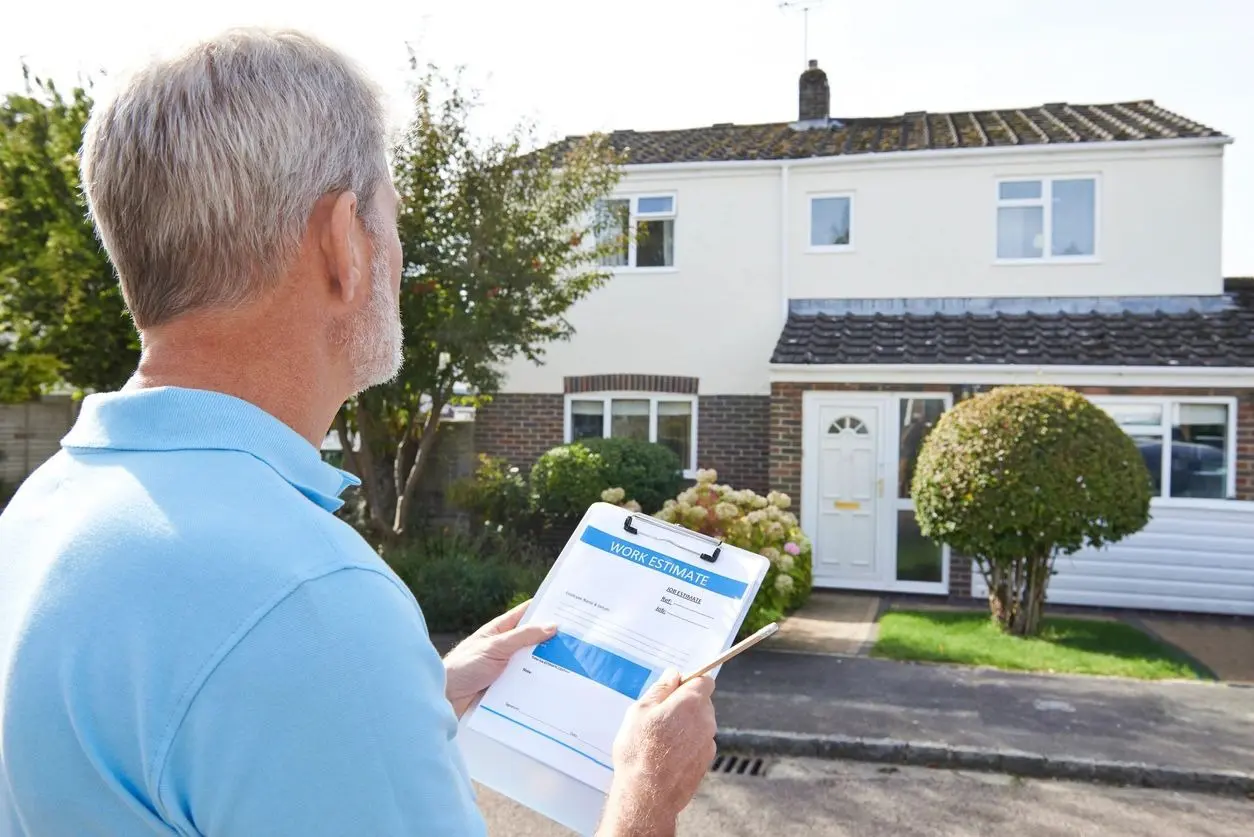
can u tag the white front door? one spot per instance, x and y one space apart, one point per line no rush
847 494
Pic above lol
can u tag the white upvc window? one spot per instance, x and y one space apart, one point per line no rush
650 220
1047 219
665 418
1189 444
831 223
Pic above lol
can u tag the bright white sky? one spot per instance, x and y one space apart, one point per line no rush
581 65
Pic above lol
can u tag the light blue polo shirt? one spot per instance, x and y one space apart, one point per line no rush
192 643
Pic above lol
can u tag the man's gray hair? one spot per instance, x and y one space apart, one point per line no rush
202 170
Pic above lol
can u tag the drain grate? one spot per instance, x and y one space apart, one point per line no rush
734 765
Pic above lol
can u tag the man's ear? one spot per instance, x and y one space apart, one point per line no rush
346 254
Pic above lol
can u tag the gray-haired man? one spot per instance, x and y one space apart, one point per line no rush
190 642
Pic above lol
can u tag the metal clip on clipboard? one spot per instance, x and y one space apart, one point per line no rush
630 525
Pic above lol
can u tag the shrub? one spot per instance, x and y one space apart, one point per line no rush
1018 475
649 473
463 581
566 480
498 495
755 523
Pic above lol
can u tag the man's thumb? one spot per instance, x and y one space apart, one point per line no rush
662 688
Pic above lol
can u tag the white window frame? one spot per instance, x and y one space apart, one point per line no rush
829 248
1046 202
690 467
634 216
1168 405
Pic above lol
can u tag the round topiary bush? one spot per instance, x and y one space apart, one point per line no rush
566 480
1018 475
647 472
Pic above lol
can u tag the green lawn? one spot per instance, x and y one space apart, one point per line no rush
1072 646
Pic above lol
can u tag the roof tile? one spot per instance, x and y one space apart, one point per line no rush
1217 338
1052 123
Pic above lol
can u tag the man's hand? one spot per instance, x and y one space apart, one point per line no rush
663 750
475 664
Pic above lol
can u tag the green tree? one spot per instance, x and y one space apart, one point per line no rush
59 297
1019 475
499 242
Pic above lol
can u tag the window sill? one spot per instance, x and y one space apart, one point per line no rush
1050 262
823 251
642 270
1195 502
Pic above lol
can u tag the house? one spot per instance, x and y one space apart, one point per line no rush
804 299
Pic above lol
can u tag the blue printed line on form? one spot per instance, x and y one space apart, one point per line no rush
545 735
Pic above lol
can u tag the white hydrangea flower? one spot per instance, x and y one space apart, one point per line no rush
756 517
632 505
779 499
787 562
758 502
613 495
726 511
706 476
783 583
773 513
696 514
771 554
687 497
775 531
788 519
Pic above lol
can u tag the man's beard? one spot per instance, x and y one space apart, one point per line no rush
373 337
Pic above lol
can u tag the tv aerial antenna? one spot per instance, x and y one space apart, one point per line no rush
805 7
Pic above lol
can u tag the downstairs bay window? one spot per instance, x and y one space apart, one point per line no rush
664 418
1189 444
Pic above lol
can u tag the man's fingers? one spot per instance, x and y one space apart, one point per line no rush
519 638
703 685
661 690
507 621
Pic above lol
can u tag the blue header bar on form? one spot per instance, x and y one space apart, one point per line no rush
678 570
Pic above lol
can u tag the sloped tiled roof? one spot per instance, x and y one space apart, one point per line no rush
1054 124
1219 334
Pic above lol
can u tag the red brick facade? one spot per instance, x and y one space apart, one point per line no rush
733 437
631 383
519 427
787 443
732 430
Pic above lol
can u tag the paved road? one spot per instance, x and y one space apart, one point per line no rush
1193 726
804 798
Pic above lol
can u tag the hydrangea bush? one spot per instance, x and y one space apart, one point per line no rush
752 522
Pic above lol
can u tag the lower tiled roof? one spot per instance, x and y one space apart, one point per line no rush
1215 332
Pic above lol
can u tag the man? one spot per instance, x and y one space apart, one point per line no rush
190 642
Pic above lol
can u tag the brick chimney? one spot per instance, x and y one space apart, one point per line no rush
814 96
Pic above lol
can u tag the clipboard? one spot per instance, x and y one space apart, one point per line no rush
698 565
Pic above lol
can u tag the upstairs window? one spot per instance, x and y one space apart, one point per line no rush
1048 219
831 223
651 217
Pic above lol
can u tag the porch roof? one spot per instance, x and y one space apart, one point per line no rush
1214 331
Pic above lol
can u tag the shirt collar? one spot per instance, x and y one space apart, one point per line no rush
174 418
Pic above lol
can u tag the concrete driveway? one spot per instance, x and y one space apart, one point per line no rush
800 798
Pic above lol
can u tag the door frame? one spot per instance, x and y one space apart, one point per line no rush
887 502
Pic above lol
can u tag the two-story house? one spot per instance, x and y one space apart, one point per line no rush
802 300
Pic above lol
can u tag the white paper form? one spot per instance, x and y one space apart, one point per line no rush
627 606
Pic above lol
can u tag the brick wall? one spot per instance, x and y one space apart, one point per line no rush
631 383
786 438
733 437
520 426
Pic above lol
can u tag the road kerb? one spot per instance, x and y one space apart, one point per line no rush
1011 762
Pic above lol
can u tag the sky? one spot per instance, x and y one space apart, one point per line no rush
574 67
